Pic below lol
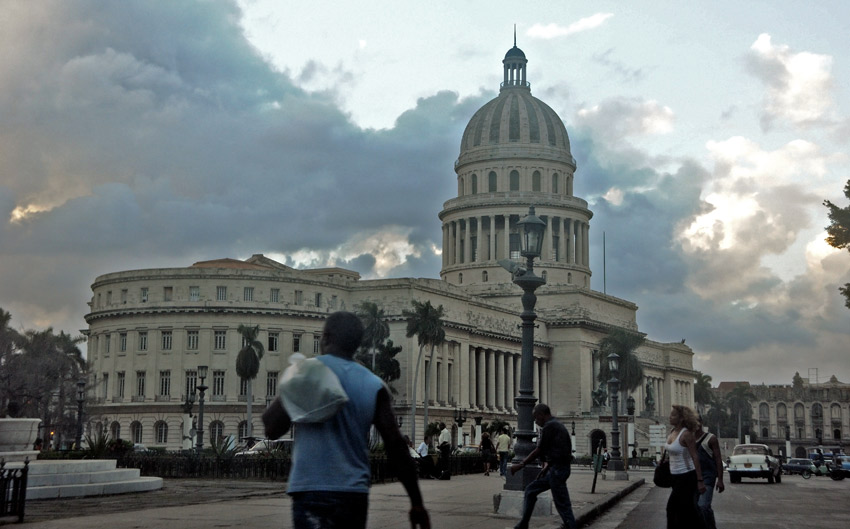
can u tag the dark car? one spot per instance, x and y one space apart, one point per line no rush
803 466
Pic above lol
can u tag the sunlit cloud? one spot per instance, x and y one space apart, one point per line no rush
552 31
628 117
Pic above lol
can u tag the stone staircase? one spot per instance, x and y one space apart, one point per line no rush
87 477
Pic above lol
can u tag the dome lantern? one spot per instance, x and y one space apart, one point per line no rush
514 68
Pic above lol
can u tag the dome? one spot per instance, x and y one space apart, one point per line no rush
515 118
514 53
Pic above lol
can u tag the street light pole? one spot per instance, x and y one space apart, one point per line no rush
531 240
202 374
81 399
615 464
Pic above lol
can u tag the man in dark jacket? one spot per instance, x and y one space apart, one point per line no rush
555 449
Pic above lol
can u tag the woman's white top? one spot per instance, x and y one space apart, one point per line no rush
680 458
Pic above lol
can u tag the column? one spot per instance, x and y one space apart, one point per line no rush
579 243
500 380
472 370
479 246
506 251
492 256
544 382
481 381
509 380
444 374
467 240
491 379
458 241
445 253
586 239
562 240
568 232
547 250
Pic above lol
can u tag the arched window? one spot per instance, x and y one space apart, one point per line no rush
514 181
799 412
570 278
555 189
492 187
216 430
460 186
544 275
161 432
836 434
136 431
835 412
764 411
817 413
535 181
764 433
115 430
460 278
484 276
474 184
781 412
243 429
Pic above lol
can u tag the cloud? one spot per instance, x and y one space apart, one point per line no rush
628 117
552 31
799 85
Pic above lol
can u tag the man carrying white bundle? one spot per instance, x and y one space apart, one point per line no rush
330 477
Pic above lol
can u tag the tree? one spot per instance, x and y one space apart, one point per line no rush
9 343
248 365
797 381
375 328
838 232
425 321
703 395
624 343
738 402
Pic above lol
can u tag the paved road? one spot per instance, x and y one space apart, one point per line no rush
753 504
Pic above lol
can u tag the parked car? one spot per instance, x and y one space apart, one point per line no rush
840 468
266 446
753 461
801 466
467 449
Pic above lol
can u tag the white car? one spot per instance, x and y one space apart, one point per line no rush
266 446
753 461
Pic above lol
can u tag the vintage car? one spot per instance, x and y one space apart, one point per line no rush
840 468
753 461
801 465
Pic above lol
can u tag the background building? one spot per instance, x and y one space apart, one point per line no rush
149 330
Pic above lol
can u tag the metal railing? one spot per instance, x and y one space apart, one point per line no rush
13 490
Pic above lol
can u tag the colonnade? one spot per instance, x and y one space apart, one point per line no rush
488 238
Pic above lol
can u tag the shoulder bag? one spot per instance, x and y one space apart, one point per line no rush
662 477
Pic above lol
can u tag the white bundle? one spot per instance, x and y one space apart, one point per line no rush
310 391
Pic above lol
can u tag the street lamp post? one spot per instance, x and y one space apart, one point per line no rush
81 399
616 462
460 418
202 374
531 240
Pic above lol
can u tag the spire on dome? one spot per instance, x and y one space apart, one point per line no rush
514 66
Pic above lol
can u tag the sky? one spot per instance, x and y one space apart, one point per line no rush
323 133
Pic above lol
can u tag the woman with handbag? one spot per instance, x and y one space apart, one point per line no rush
682 509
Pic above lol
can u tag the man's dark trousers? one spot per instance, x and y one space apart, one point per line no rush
556 480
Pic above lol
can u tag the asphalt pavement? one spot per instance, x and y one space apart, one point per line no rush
465 502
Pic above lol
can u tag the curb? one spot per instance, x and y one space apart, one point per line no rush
603 506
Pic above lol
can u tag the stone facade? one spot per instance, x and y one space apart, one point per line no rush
150 329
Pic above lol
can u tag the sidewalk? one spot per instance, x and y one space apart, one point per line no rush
463 502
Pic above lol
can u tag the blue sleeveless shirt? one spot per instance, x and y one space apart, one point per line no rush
334 455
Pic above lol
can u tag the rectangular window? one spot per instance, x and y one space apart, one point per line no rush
108 342
296 343
119 385
140 383
165 383
316 348
271 383
194 293
192 340
191 381
243 387
109 297
248 294
221 293
220 339
122 341
124 296
318 299
105 386
167 293
218 384
333 302
98 299
166 340
143 340
143 295
299 297
274 295
274 340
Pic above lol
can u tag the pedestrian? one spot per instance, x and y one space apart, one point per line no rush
445 446
711 464
503 446
554 447
486 448
682 508
330 476
426 462
634 458
605 457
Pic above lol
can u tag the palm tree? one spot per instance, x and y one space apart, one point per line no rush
624 343
703 395
375 327
738 402
248 365
426 322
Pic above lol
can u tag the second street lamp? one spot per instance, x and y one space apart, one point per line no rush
616 462
81 399
202 374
